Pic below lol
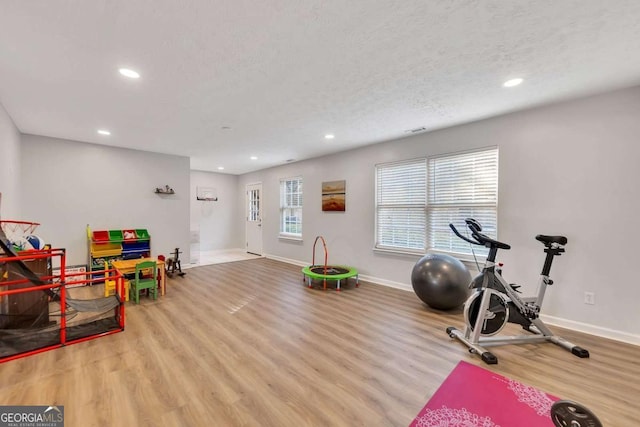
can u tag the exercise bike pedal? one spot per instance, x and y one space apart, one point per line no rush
580 352
489 358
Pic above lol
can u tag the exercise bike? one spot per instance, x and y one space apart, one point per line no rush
496 303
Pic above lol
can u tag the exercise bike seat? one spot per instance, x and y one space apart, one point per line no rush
548 240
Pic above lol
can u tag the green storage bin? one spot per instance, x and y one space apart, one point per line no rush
142 234
115 235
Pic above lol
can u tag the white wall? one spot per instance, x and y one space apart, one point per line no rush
570 168
216 222
9 167
67 185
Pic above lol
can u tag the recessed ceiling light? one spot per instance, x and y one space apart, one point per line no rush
104 132
129 73
512 82
225 128
329 136
254 158
220 168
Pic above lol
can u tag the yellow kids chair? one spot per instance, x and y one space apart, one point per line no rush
110 285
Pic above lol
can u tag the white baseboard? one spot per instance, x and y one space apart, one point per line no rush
551 320
287 260
389 283
371 279
221 251
592 329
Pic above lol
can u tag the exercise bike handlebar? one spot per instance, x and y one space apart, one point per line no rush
479 238
457 233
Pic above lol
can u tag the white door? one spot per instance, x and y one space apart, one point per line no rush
254 219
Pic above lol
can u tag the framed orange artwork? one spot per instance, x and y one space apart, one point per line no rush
334 196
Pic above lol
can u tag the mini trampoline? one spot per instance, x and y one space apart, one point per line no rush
327 272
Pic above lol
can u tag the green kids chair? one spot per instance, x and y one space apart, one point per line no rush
149 281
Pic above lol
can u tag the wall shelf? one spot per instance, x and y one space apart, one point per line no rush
165 190
206 194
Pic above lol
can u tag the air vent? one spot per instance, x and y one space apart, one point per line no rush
417 130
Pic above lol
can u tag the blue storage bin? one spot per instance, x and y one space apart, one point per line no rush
130 249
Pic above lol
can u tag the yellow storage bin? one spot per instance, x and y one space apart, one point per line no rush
105 249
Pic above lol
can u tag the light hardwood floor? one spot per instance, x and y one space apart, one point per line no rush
247 344
221 256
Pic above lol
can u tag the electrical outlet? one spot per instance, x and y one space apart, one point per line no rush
589 298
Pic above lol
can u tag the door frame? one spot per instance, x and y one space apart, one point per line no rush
252 186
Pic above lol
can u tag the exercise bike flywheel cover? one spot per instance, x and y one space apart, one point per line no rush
565 413
497 315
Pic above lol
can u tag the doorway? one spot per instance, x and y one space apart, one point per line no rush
254 218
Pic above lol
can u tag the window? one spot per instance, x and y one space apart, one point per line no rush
254 205
291 207
416 200
460 186
401 197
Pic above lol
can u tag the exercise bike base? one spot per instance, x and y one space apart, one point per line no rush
490 359
487 357
580 352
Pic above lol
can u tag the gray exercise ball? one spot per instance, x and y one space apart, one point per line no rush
441 281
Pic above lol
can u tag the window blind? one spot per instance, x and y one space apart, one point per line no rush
291 207
400 205
461 186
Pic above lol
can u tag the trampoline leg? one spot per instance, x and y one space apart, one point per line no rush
338 286
357 281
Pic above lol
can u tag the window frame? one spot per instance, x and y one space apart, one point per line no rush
430 206
385 247
297 209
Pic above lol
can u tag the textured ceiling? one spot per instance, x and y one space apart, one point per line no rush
283 73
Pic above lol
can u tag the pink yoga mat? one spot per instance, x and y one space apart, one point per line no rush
471 396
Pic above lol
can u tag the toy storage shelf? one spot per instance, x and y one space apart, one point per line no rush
110 245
